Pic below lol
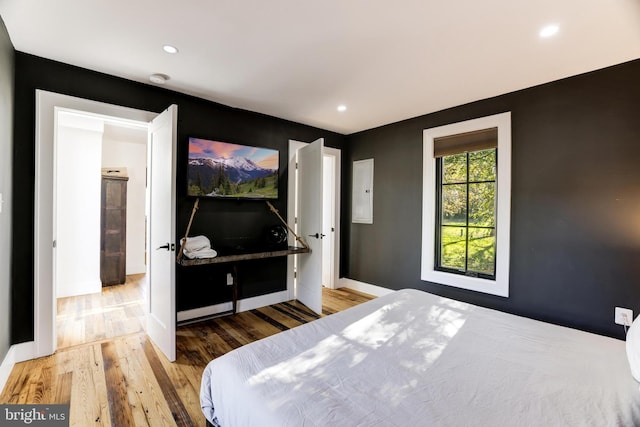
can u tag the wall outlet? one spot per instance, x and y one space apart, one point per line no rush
229 279
624 316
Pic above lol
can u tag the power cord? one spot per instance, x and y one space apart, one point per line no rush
626 322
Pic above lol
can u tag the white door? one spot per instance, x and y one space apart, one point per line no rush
161 316
309 283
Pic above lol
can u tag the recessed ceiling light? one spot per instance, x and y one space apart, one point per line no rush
342 108
170 49
549 30
158 78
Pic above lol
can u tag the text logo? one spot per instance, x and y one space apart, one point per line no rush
34 415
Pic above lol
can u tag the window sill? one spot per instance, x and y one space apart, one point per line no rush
499 287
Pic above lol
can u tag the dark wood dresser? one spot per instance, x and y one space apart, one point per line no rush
113 226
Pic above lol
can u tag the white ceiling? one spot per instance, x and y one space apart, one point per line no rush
299 59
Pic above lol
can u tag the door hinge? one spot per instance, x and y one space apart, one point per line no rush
55 244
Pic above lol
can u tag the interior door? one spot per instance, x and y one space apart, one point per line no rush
309 283
161 316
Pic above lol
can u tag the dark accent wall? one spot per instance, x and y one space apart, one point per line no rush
575 201
6 144
225 222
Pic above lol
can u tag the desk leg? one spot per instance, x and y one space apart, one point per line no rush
235 288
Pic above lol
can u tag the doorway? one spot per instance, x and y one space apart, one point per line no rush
87 146
331 162
47 104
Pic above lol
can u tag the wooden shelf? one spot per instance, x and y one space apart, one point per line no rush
291 250
235 258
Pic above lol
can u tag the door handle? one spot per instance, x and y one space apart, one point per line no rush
317 235
164 247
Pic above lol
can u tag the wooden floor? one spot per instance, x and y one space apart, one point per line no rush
118 310
126 381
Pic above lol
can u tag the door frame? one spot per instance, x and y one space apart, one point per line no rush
335 259
291 209
47 105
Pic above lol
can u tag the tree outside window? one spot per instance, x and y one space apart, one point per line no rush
466 213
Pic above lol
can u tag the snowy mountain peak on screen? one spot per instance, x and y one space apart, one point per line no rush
235 163
241 163
238 169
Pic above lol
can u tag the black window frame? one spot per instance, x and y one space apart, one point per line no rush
439 225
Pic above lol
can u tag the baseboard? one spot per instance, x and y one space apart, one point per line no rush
263 300
140 269
367 288
243 305
77 289
17 353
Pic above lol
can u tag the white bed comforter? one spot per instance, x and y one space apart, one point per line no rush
414 359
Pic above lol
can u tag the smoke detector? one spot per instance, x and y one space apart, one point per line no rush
158 78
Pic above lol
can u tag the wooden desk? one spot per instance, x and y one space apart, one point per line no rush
234 257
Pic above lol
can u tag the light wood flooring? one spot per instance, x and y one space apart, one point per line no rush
126 381
118 310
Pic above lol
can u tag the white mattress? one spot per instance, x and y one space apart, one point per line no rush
414 359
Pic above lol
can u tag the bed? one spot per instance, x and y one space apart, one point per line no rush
411 358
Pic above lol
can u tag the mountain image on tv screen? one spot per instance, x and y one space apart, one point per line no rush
225 170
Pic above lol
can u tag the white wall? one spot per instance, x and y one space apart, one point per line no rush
6 183
77 210
124 147
85 145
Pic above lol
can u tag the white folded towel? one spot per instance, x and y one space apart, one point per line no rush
198 247
196 243
202 253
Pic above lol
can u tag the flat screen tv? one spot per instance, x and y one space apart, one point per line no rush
231 171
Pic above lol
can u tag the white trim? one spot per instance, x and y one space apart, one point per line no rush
291 209
336 153
503 214
86 287
262 300
44 294
245 304
17 353
210 310
367 288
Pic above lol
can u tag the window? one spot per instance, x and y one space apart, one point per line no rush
466 204
466 214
